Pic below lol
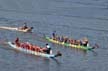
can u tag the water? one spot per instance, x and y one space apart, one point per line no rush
72 18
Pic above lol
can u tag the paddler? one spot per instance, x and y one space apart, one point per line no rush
24 26
54 35
84 42
29 46
17 42
47 49
62 39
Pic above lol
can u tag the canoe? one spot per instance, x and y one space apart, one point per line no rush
14 29
13 46
67 44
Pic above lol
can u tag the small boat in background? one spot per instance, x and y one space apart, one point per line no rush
17 29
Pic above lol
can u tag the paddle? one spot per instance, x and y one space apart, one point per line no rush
58 54
95 46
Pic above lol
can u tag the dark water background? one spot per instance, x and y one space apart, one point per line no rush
73 18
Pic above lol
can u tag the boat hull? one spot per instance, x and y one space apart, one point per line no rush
13 46
68 45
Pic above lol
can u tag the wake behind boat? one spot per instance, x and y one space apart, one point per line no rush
8 28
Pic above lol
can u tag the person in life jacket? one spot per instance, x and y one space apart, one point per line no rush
47 49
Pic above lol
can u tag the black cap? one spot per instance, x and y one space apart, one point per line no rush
47 44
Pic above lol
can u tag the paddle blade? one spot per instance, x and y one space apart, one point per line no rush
95 46
58 54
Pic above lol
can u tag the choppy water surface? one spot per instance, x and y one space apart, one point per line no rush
72 18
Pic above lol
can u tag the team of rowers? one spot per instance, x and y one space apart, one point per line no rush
83 42
47 49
